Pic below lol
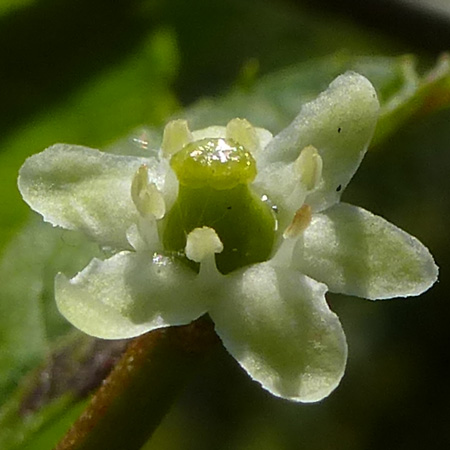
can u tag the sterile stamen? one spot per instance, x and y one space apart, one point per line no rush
309 167
146 196
243 132
176 136
149 202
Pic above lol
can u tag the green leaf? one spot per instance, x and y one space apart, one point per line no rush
18 427
28 316
403 91
7 6
48 398
56 419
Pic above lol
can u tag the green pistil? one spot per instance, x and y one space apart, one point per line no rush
243 222
214 175
217 163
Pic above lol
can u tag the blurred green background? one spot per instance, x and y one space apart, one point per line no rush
94 72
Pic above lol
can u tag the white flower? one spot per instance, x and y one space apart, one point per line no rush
265 210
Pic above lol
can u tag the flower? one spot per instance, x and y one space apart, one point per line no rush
239 224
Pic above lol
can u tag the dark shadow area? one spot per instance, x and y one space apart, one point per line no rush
407 377
264 35
422 25
50 47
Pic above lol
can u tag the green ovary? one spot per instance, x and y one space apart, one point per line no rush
218 163
214 192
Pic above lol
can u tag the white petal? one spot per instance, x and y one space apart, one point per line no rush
83 189
264 136
278 326
355 252
340 124
128 295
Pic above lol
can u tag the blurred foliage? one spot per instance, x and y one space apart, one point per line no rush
7 6
89 73
135 90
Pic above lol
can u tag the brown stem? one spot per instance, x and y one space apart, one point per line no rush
134 398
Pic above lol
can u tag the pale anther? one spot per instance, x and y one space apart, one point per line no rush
309 167
146 196
202 243
176 136
300 223
243 132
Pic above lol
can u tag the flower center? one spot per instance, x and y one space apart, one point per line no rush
214 177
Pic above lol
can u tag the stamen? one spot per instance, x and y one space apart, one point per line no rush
146 196
151 207
309 167
176 136
300 223
243 132
201 246
202 243
292 234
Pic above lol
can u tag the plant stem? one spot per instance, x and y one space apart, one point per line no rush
137 394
